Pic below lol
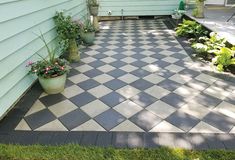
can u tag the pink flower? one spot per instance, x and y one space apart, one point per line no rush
47 69
29 63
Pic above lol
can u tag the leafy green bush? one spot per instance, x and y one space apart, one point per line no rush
210 44
190 29
67 29
224 58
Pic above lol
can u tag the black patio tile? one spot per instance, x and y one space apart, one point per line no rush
228 140
59 138
142 84
145 120
73 72
44 138
169 85
39 119
112 99
140 73
82 99
174 100
143 99
198 141
213 141
96 64
118 64
119 56
100 56
109 119
182 141
74 118
139 64
219 121
116 73
115 84
102 50
189 72
52 99
182 120
104 139
135 140
68 83
174 49
93 73
137 49
156 50
89 138
158 56
151 140
207 100
179 56
138 56
120 139
74 137
88 84
119 50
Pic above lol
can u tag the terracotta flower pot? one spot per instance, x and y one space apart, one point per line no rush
53 85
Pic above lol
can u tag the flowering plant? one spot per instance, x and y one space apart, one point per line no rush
87 26
48 68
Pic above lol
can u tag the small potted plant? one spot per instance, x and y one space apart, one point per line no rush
93 7
68 33
88 32
198 12
51 72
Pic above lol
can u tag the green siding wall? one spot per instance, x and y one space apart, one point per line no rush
19 20
138 7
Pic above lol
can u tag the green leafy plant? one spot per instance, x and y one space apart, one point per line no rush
68 34
190 29
87 26
210 44
93 3
48 68
224 58
66 28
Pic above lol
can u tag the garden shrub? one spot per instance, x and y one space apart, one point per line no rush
190 29
224 58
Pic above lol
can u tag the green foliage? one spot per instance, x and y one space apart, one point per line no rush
76 152
93 3
210 44
87 26
190 29
224 58
66 29
48 68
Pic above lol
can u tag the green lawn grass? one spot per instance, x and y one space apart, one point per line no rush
76 152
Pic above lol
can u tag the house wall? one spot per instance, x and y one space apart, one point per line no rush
138 7
19 20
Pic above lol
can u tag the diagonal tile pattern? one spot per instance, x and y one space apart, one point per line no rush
136 78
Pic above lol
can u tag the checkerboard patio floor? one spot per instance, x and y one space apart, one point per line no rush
136 78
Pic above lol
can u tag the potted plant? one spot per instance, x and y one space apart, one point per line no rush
198 12
68 32
88 32
51 72
93 7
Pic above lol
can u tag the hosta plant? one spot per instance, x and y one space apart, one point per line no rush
190 29
224 58
210 44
